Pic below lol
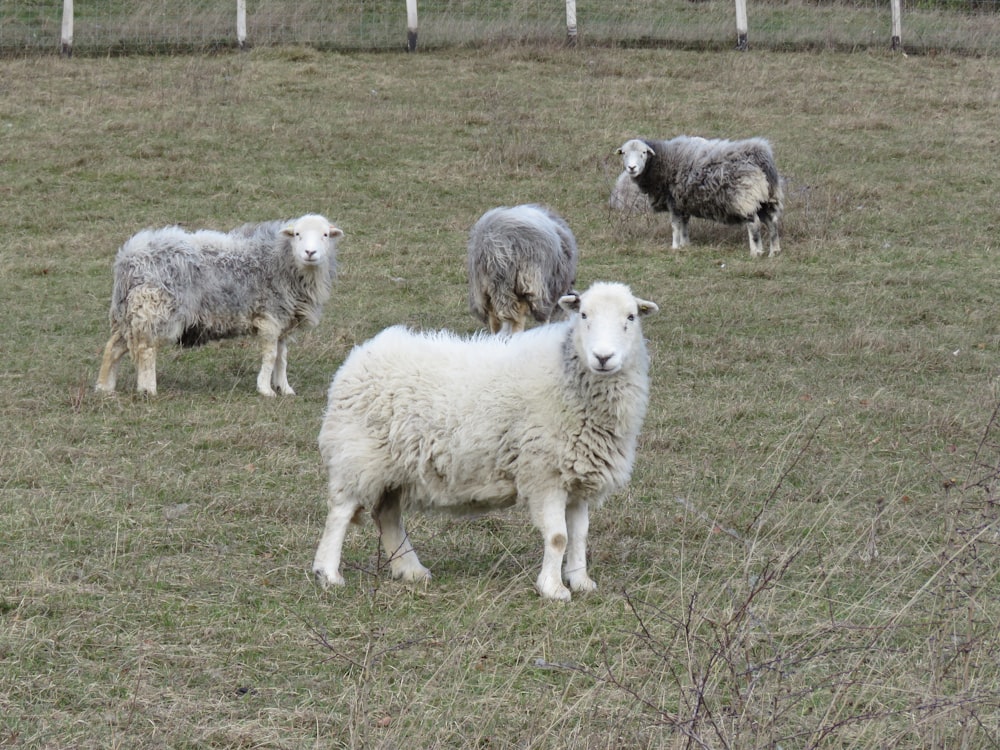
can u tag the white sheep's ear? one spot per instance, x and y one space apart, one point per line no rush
336 231
621 151
646 307
289 230
570 302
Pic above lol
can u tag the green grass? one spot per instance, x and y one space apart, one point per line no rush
806 556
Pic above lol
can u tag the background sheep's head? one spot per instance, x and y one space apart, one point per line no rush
314 239
608 331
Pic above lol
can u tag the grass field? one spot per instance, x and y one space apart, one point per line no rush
807 556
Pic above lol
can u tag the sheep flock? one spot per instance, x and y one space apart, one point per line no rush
547 418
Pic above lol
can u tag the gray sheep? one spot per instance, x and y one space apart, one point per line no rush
175 286
521 260
733 182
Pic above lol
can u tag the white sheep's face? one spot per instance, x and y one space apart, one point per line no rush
313 239
608 329
635 154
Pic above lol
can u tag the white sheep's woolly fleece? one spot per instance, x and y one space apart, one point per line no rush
547 418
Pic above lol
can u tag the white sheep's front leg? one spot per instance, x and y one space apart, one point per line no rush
679 225
326 563
403 562
575 569
550 517
279 377
267 331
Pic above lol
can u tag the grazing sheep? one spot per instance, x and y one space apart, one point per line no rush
626 196
548 419
734 182
521 260
175 286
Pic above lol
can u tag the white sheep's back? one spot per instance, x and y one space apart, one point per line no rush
442 417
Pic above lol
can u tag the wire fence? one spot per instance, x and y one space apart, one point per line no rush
102 27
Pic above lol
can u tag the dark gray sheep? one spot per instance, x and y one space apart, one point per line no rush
733 182
521 260
174 286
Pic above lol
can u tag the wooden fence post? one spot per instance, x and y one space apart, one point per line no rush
571 23
897 24
741 25
411 25
241 23
66 46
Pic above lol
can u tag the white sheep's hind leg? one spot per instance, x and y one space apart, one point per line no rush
279 377
403 561
756 243
144 354
679 227
326 563
575 569
269 336
550 518
114 350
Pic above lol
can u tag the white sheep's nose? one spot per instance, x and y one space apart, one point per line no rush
602 360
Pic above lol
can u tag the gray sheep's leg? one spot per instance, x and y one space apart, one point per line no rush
679 225
575 569
113 353
550 518
269 335
403 562
326 564
144 355
756 243
279 378
773 239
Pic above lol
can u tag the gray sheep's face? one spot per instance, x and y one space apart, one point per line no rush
635 154
313 239
608 329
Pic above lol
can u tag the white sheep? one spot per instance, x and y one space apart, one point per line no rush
175 286
520 261
548 419
734 182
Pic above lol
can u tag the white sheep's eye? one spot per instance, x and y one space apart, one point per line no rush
631 317
583 315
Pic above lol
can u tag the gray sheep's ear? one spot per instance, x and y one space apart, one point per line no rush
646 307
570 302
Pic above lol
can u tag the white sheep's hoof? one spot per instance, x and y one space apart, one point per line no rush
553 590
414 574
581 583
326 579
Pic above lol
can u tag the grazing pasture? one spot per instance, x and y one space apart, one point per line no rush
807 554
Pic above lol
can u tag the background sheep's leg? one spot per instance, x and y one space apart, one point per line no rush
402 557
113 353
679 225
496 325
550 517
756 244
577 524
326 564
279 378
144 355
268 332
